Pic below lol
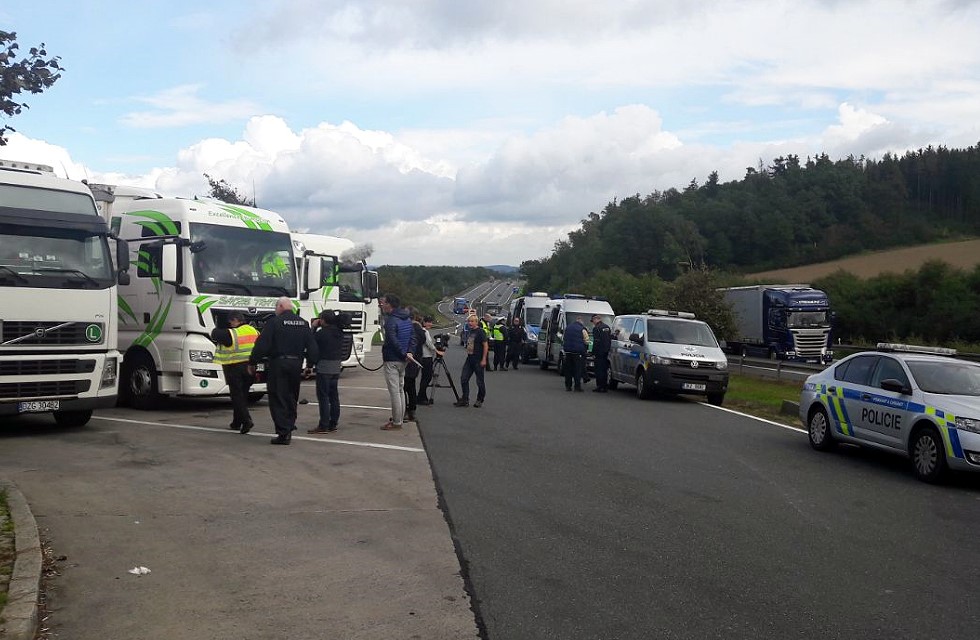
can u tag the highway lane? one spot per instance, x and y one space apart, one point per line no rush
586 516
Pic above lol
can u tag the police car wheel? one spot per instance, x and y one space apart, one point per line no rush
818 429
928 456
643 389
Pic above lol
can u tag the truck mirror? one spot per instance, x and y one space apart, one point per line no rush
122 255
369 285
314 274
168 263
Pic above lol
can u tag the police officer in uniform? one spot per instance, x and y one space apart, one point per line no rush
601 344
234 347
286 341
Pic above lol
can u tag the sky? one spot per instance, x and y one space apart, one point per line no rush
458 132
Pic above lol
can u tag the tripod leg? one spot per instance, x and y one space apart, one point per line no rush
449 376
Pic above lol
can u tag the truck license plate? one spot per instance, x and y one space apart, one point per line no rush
38 406
692 386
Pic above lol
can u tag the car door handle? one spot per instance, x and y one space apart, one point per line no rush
865 396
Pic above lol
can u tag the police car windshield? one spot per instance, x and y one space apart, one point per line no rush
946 377
680 332
260 260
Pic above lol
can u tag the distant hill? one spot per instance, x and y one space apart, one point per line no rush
962 255
502 268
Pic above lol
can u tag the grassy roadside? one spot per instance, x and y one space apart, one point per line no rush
762 398
6 550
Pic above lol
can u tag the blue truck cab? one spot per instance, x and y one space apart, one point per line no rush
781 321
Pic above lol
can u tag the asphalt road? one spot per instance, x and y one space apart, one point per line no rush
579 515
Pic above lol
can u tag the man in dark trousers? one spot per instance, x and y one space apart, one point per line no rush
234 348
574 347
286 341
601 343
475 364
516 337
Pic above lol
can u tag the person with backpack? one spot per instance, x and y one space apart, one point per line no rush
396 352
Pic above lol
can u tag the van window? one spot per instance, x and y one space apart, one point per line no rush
639 327
622 328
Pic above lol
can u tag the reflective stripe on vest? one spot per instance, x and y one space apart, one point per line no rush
242 340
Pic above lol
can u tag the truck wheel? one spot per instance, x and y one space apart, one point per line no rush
255 396
716 399
744 352
772 353
141 382
818 429
928 455
643 389
72 418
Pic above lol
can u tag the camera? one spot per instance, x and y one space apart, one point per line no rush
442 341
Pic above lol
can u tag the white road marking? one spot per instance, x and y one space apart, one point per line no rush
190 427
745 415
353 406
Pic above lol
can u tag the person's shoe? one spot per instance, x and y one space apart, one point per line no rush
278 440
332 428
568 388
390 426
478 403
233 427
461 403
246 428
316 430
409 417
579 389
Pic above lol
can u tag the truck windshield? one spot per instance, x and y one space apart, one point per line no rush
799 319
951 378
673 332
236 259
350 282
21 197
54 258
533 315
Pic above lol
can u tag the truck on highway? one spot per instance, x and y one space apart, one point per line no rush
346 285
196 262
460 305
557 314
529 309
781 321
58 326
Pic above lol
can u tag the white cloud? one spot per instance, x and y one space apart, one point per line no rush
180 106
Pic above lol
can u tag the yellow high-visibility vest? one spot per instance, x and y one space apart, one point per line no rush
242 341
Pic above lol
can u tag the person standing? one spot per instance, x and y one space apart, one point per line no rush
429 353
285 341
499 341
486 325
601 343
574 346
475 364
334 346
516 338
234 346
414 367
395 350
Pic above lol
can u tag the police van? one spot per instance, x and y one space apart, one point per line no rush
529 309
557 314
667 352
916 401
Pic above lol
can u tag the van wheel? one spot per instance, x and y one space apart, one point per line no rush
716 399
140 381
643 389
928 455
72 418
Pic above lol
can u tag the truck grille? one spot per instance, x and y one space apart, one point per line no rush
28 390
356 321
17 333
45 367
810 344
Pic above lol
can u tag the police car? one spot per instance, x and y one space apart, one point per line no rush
916 401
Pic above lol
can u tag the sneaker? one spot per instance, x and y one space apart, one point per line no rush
478 403
278 440
461 403
390 426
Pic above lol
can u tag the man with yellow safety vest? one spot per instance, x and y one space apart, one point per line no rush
234 346
498 340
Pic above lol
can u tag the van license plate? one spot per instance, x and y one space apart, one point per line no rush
691 386
38 406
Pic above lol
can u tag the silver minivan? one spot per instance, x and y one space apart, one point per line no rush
667 352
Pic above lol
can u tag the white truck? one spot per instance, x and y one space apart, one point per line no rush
196 262
346 285
58 326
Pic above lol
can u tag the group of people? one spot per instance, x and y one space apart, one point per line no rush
575 348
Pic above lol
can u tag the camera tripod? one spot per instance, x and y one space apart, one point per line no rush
439 364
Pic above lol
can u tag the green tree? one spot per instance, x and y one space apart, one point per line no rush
33 74
221 190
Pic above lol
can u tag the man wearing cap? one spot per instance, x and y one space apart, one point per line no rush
234 346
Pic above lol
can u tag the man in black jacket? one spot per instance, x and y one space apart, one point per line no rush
601 343
286 341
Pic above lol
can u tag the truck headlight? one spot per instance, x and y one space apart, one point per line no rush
968 424
201 356
108 373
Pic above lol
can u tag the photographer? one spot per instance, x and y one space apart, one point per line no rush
429 352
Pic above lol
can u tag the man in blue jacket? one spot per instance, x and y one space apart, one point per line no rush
396 350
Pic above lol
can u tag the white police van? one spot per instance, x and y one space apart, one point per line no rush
667 352
915 401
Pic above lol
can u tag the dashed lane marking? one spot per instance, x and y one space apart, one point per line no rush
191 427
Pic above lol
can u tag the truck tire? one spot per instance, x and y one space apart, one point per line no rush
140 380
643 389
72 418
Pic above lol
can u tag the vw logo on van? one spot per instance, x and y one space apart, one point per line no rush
694 364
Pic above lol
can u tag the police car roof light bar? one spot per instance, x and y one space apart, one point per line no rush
915 348
673 314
